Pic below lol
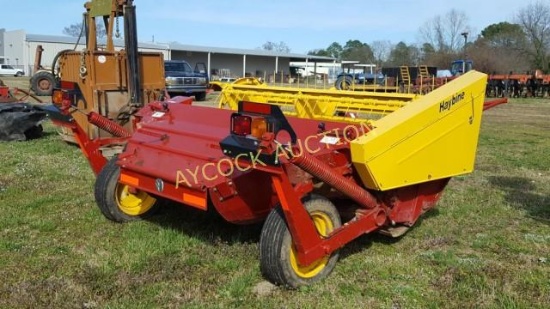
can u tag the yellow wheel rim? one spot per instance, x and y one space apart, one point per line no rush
133 204
324 226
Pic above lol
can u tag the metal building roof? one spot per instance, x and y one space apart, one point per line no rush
72 40
184 47
239 51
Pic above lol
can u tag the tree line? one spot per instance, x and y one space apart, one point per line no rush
519 46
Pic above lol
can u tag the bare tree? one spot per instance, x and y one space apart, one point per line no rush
75 30
535 22
278 47
381 51
444 33
403 54
458 27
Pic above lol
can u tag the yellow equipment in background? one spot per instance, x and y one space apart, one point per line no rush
320 104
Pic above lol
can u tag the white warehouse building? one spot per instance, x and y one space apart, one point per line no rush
18 49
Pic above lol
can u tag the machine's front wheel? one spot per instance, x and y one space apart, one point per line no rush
278 257
119 202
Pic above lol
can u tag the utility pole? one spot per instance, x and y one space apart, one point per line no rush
465 57
465 35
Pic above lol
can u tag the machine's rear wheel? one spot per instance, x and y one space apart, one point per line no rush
42 83
343 83
34 132
278 257
200 96
119 202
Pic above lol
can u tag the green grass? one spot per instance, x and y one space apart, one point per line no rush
487 245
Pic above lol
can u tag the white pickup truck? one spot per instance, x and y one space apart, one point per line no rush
6 69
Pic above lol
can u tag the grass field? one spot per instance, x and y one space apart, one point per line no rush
487 245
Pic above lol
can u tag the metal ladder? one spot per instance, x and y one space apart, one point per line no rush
423 71
405 78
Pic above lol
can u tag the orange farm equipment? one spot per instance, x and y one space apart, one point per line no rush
519 85
104 80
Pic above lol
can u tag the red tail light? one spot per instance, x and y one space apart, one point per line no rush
241 125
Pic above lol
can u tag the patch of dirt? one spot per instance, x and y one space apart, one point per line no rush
264 288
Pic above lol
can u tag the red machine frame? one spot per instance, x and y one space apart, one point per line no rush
283 181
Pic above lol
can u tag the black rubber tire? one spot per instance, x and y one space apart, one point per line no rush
343 83
34 132
276 243
18 74
42 77
200 96
105 191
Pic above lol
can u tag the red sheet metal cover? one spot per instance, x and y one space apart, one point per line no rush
181 140
182 145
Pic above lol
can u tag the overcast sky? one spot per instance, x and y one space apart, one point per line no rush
302 24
